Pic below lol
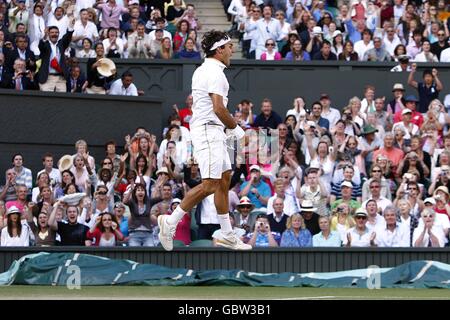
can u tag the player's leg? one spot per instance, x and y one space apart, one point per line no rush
168 224
229 238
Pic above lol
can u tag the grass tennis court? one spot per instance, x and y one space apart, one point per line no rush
235 293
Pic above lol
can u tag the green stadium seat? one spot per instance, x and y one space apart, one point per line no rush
178 243
201 243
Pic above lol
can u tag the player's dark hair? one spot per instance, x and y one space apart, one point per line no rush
210 38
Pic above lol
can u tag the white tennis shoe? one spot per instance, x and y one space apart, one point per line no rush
166 232
231 241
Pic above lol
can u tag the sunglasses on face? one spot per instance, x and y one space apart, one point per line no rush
102 193
361 218
106 219
246 207
376 170
374 187
270 44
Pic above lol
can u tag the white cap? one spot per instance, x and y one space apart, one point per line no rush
255 167
317 30
406 110
346 184
430 200
311 124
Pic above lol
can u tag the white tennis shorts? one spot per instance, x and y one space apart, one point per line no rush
210 150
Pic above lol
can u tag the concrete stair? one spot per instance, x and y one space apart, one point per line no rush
212 16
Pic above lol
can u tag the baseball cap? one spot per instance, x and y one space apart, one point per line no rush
311 124
406 110
430 200
346 184
255 167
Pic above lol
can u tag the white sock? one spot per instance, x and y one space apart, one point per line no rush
225 224
176 216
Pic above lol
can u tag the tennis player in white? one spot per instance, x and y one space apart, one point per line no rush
210 118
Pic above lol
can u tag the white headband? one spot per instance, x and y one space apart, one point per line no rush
220 43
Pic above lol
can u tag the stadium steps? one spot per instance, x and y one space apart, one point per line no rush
212 16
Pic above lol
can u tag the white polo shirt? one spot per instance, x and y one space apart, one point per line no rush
357 239
379 223
437 231
398 238
208 78
89 31
118 89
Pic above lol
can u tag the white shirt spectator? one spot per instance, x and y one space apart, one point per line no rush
360 48
332 115
445 55
62 24
284 31
22 241
422 58
440 220
55 175
119 45
390 45
414 129
437 230
383 202
166 34
83 4
398 12
265 30
237 10
393 239
290 206
37 27
357 239
379 223
89 31
251 33
118 89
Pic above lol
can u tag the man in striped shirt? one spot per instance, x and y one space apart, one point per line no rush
23 175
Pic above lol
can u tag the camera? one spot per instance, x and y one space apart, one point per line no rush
25 73
340 209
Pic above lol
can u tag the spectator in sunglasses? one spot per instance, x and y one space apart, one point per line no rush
244 217
271 52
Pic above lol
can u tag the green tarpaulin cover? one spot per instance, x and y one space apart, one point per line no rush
63 268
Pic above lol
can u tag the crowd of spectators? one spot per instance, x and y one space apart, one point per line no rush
348 30
41 42
376 173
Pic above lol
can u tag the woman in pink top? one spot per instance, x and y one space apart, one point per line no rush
183 231
271 53
106 231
